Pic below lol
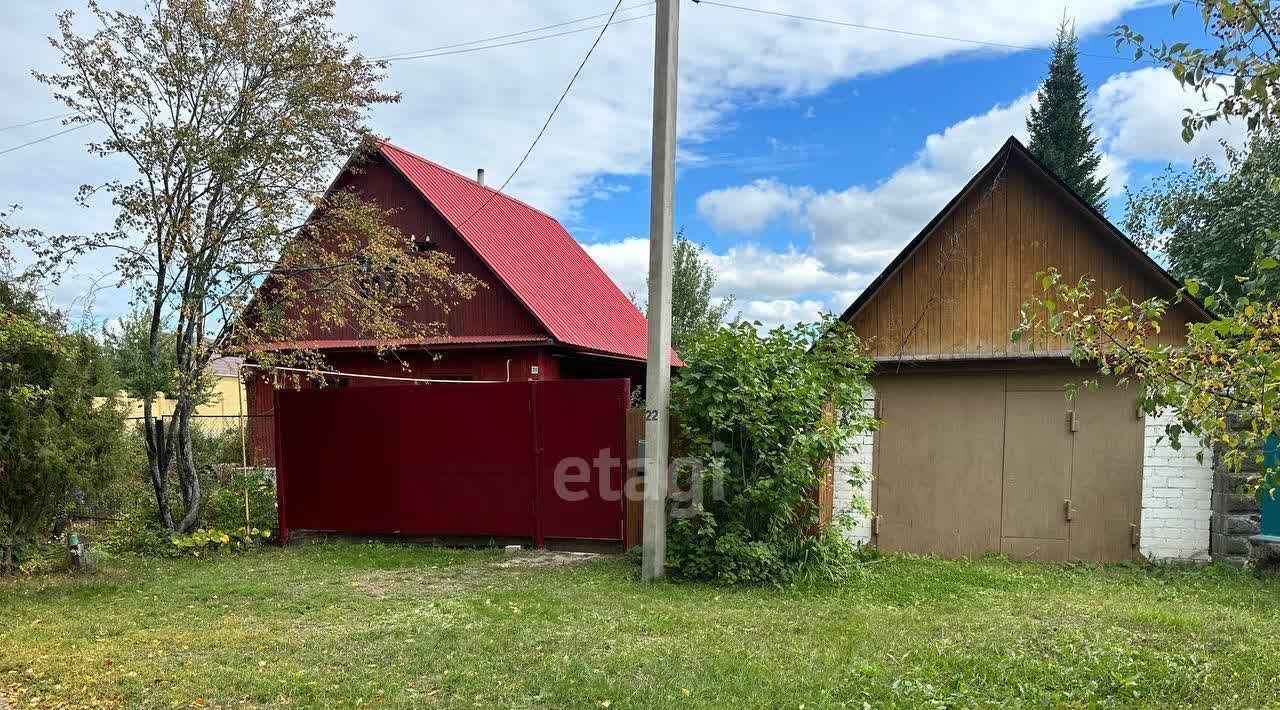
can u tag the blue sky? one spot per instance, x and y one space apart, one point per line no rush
809 153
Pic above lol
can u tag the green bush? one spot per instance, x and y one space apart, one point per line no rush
761 415
224 506
56 442
130 499
211 448
139 532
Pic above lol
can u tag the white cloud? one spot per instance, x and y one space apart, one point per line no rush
481 109
626 261
781 311
856 231
751 207
1138 116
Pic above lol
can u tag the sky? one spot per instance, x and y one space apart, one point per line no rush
808 153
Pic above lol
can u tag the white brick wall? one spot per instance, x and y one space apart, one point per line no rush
859 455
1176 497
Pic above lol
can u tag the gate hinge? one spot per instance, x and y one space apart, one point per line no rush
1067 510
1075 420
1133 534
875 525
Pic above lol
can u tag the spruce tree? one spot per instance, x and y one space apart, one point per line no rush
1061 136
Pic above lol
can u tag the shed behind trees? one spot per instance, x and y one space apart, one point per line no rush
980 450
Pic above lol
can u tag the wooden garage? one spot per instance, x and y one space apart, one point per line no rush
979 449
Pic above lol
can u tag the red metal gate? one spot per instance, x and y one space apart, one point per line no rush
526 460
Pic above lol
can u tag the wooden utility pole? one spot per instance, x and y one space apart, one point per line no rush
658 375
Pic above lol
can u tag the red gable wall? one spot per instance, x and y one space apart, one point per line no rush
492 311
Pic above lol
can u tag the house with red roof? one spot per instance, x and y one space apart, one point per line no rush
549 311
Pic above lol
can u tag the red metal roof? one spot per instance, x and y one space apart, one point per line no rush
536 259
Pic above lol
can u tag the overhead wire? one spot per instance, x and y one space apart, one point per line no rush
432 53
38 120
894 30
510 34
440 51
546 123
42 139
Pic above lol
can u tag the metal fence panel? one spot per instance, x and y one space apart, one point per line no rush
450 459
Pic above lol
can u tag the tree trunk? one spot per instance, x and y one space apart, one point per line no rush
188 475
158 462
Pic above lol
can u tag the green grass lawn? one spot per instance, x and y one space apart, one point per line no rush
376 625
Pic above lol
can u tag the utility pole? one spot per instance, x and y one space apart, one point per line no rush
658 369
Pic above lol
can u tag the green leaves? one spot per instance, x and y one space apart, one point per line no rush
1221 382
762 414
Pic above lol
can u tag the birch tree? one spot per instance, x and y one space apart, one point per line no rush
235 115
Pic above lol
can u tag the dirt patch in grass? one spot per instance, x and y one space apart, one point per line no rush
444 581
545 558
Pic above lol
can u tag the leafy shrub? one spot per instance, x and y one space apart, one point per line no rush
210 448
224 507
139 532
55 440
761 415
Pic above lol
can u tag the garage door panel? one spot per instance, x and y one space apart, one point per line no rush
938 464
1037 464
1106 486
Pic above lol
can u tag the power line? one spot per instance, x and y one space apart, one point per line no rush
38 120
550 116
909 33
511 34
431 53
42 139
423 54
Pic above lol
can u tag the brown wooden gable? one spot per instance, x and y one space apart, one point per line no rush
954 293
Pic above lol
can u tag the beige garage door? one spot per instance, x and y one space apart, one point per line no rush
971 463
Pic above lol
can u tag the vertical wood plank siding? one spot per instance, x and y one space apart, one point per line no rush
959 293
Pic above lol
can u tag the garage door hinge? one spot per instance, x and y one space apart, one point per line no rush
1067 510
875 525
1133 534
876 409
1075 421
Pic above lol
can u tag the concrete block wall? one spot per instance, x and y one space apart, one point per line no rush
1177 495
858 455
1236 515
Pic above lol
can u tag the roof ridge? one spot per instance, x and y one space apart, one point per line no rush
388 144
1010 146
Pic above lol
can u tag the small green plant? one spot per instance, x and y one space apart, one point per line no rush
211 540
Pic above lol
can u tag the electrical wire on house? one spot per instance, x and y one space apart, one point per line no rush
546 123
908 33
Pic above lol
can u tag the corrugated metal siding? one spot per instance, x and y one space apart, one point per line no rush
535 257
